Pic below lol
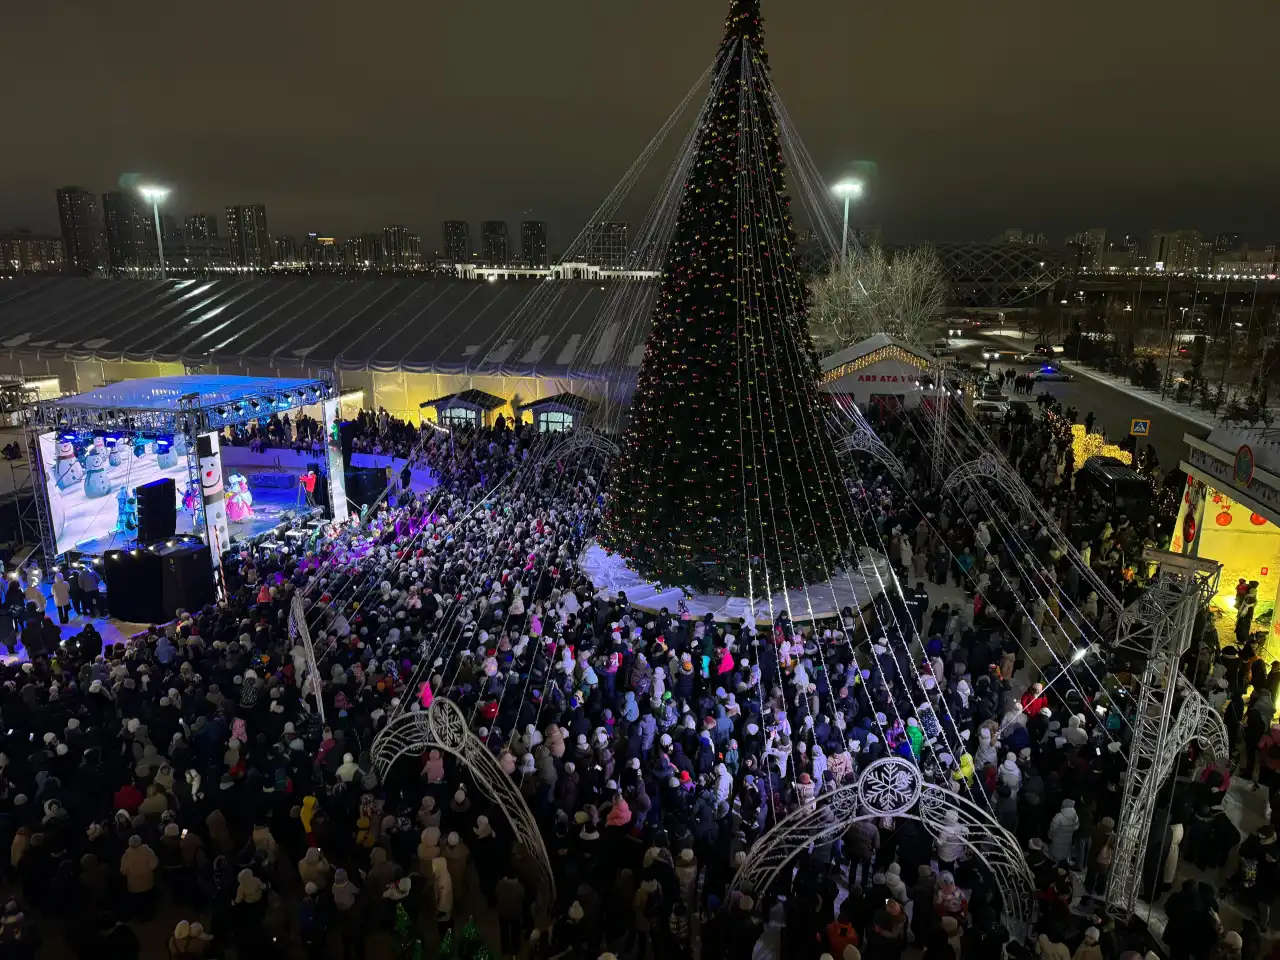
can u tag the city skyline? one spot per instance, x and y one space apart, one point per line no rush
984 123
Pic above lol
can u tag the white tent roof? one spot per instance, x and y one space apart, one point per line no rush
870 345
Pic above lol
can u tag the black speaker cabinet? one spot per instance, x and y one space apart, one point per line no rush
365 485
157 510
150 586
321 492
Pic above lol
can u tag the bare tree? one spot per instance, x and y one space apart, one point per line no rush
873 292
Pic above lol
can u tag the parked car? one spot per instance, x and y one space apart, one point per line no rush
1048 372
990 390
990 410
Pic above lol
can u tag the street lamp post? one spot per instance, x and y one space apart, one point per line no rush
848 189
155 194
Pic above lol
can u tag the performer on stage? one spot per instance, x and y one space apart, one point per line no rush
307 487
239 499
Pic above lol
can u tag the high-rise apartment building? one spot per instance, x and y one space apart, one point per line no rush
247 236
533 243
22 251
457 241
129 241
607 244
365 250
286 249
81 228
1091 244
1174 251
494 248
201 226
1226 243
400 247
1018 235
320 251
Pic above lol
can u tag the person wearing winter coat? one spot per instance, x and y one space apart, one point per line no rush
1062 831
314 868
138 867
429 848
510 895
264 844
687 878
1170 869
951 841
457 857
1101 850
1046 949
862 841
443 888
1089 948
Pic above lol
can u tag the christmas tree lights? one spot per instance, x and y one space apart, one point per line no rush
728 477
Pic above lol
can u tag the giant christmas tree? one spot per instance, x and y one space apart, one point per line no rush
728 476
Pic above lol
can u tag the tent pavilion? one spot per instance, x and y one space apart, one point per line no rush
392 342
878 371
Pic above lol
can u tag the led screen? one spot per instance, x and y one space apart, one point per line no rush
91 480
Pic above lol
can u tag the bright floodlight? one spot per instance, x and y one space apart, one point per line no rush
154 193
848 188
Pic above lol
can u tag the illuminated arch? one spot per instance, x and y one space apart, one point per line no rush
892 787
443 726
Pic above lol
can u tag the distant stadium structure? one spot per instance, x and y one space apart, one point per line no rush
1000 274
398 343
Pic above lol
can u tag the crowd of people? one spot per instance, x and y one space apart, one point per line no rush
189 774
278 432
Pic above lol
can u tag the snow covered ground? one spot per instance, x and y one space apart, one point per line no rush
609 574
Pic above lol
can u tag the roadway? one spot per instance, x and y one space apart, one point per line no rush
1113 409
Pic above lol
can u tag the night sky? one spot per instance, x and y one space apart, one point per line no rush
342 117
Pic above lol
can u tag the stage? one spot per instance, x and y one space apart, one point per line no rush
270 505
856 589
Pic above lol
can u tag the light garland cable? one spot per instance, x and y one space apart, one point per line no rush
791 310
790 349
1013 590
540 569
742 295
1026 576
1041 515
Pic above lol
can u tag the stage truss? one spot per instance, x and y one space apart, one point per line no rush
892 787
187 415
1157 629
443 726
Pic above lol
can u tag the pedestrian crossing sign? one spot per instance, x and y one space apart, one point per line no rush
1139 428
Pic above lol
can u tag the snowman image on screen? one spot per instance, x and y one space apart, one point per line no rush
211 489
166 455
96 482
67 471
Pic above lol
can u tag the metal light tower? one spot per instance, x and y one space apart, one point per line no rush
849 189
156 194
1156 630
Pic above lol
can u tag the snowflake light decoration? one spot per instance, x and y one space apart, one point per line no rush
889 787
